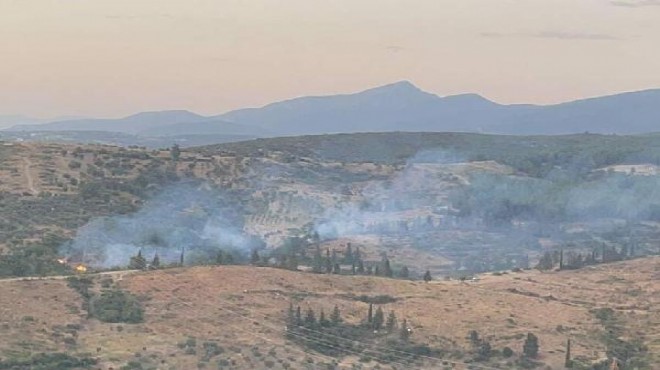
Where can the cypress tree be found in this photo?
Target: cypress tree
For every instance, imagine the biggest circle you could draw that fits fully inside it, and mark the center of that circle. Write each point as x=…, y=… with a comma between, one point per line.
x=323, y=322
x=379, y=319
x=138, y=262
x=353, y=269
x=404, y=332
x=387, y=269
x=310, y=318
x=357, y=256
x=531, y=346
x=317, y=265
x=336, y=269
x=299, y=321
x=155, y=263
x=404, y=273
x=427, y=276
x=390, y=325
x=370, y=315
x=254, y=258
x=335, y=317
x=182, y=256
x=328, y=262
x=360, y=267
x=348, y=255
x=568, y=363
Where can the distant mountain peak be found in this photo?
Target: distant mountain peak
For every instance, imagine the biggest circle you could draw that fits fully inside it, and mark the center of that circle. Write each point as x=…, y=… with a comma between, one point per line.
x=170, y=113
x=399, y=86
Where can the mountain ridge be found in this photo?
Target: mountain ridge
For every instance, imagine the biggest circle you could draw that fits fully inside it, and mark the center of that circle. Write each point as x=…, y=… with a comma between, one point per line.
x=398, y=106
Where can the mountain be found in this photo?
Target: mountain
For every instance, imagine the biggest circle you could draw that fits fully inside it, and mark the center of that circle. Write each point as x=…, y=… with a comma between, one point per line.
x=399, y=106
x=130, y=125
x=626, y=113
x=396, y=107
x=403, y=107
x=12, y=120
x=207, y=127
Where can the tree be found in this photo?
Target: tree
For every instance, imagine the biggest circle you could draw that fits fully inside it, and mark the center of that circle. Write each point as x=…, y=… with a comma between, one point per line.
x=370, y=315
x=353, y=269
x=390, y=324
x=561, y=259
x=182, y=256
x=531, y=346
x=175, y=152
x=507, y=352
x=328, y=262
x=137, y=262
x=299, y=321
x=310, y=318
x=376, y=271
x=404, y=273
x=404, y=332
x=335, y=316
x=336, y=269
x=323, y=322
x=545, y=263
x=254, y=258
x=387, y=269
x=155, y=263
x=427, y=276
x=484, y=350
x=348, y=255
x=360, y=267
x=568, y=363
x=379, y=319
x=474, y=337
x=317, y=264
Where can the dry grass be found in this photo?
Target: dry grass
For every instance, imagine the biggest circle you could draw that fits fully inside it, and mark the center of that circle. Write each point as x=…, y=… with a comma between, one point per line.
x=243, y=307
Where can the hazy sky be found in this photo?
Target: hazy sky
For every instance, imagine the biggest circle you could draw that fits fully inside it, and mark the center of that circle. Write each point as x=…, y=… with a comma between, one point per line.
x=115, y=57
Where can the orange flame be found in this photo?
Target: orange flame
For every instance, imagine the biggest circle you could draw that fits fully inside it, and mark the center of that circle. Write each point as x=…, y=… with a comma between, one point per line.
x=81, y=269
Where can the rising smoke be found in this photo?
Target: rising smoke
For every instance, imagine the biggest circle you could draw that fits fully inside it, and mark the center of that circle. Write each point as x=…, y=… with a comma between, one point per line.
x=194, y=217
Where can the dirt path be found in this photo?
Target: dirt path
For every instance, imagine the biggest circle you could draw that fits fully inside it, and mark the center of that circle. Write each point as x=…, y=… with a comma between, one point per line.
x=27, y=170
x=118, y=274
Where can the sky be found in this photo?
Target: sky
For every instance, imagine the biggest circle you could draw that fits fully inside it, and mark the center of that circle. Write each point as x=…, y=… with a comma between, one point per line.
x=111, y=58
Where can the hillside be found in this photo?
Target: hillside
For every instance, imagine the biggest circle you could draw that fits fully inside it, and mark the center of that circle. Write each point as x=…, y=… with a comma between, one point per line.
x=455, y=204
x=206, y=316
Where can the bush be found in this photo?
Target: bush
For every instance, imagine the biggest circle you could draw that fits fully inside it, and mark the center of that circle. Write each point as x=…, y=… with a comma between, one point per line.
x=115, y=306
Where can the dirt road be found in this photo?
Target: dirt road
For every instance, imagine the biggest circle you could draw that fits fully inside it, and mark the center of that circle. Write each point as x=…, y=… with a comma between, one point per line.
x=27, y=170
x=117, y=274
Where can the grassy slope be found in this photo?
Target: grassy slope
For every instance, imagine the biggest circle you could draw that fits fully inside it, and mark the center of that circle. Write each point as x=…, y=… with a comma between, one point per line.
x=241, y=308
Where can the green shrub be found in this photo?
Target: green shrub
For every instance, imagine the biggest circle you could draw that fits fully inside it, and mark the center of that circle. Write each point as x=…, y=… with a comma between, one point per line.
x=115, y=306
